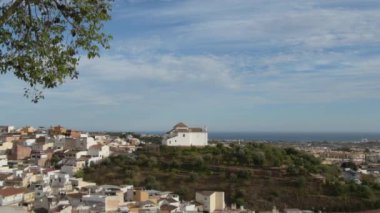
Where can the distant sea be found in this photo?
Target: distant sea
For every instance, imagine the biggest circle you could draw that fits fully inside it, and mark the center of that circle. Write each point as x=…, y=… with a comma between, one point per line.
x=292, y=136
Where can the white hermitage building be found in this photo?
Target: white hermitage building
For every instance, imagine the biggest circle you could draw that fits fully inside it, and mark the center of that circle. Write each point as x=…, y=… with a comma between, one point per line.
x=182, y=135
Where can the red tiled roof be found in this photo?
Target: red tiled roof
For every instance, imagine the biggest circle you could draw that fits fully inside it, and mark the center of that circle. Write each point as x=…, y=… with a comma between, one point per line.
x=11, y=191
x=189, y=130
x=96, y=146
x=168, y=207
x=180, y=125
x=196, y=129
x=4, y=176
x=181, y=130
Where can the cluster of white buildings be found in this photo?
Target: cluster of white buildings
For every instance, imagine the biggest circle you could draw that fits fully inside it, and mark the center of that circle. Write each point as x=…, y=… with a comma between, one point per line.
x=39, y=168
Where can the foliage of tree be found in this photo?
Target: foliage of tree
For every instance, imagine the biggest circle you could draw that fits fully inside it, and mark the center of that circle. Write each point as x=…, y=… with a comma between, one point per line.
x=301, y=182
x=150, y=182
x=41, y=40
x=56, y=158
x=79, y=173
x=151, y=139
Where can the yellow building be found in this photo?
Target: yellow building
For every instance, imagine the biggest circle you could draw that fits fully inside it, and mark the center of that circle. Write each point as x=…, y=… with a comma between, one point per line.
x=140, y=195
x=113, y=202
x=57, y=130
x=6, y=145
x=29, y=197
x=27, y=130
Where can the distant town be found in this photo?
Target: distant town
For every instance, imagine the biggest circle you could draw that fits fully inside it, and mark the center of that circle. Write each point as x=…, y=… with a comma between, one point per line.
x=41, y=170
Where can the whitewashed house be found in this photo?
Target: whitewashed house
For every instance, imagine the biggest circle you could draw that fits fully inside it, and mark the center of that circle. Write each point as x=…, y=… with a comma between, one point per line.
x=85, y=143
x=29, y=141
x=182, y=135
x=72, y=154
x=59, y=141
x=41, y=189
x=71, y=166
x=5, y=145
x=3, y=160
x=211, y=200
x=99, y=150
x=7, y=129
x=11, y=196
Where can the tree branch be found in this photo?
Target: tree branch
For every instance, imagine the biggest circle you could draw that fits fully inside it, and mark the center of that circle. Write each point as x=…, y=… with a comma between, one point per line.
x=8, y=12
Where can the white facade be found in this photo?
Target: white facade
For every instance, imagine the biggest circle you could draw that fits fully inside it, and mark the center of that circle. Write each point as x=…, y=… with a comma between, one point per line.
x=3, y=161
x=41, y=190
x=211, y=200
x=104, y=203
x=40, y=135
x=59, y=179
x=39, y=147
x=6, y=145
x=59, y=141
x=85, y=143
x=100, y=138
x=181, y=135
x=84, y=135
x=12, y=199
x=7, y=129
x=11, y=196
x=29, y=142
x=71, y=166
x=102, y=151
x=93, y=160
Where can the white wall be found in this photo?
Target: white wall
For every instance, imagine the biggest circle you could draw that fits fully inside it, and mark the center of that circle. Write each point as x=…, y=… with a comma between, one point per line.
x=59, y=142
x=103, y=152
x=187, y=139
x=13, y=199
x=29, y=142
x=212, y=202
x=3, y=161
x=85, y=143
x=199, y=138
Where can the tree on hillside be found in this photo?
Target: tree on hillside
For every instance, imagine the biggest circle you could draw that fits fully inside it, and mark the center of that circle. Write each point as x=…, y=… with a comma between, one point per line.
x=41, y=40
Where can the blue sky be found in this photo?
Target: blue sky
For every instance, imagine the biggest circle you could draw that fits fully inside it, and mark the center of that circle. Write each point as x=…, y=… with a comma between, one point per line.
x=230, y=65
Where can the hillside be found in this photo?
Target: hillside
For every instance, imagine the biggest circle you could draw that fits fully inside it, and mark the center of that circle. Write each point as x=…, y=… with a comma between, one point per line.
x=257, y=176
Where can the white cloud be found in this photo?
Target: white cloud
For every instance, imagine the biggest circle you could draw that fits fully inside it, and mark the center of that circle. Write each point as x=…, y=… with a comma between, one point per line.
x=300, y=79
x=169, y=69
x=272, y=51
x=300, y=24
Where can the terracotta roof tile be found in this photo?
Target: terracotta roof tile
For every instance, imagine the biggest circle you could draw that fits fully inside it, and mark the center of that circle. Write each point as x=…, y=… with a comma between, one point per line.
x=11, y=191
x=180, y=125
x=168, y=207
x=96, y=146
x=196, y=130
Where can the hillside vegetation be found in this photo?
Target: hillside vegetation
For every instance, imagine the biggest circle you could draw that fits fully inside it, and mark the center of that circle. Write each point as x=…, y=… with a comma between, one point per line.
x=257, y=176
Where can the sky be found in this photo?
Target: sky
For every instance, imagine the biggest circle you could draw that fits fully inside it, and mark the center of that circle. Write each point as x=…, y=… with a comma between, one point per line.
x=230, y=65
